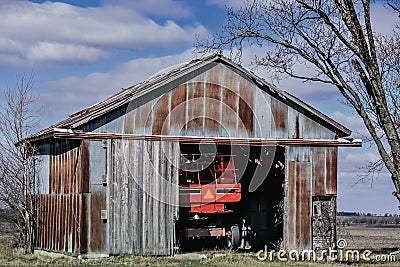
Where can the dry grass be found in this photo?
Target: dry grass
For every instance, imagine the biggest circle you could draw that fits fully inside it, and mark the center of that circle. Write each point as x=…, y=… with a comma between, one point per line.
x=370, y=236
x=383, y=240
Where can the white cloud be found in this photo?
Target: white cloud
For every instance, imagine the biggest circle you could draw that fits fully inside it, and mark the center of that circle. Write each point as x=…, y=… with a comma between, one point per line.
x=26, y=28
x=57, y=52
x=167, y=8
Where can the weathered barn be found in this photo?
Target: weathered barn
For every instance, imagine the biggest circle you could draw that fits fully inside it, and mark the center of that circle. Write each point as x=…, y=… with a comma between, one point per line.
x=110, y=173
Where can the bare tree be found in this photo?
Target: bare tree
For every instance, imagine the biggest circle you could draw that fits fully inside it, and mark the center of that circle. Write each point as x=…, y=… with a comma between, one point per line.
x=335, y=39
x=18, y=118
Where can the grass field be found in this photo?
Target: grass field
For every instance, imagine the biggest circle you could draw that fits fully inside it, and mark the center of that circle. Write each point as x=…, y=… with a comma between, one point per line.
x=370, y=236
x=382, y=240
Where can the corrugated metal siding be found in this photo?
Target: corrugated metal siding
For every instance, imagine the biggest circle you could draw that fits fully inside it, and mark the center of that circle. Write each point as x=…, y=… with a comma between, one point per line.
x=97, y=231
x=312, y=171
x=218, y=102
x=143, y=196
x=62, y=213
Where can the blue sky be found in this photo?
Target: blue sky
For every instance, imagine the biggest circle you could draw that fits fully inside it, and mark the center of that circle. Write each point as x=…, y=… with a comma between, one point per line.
x=84, y=51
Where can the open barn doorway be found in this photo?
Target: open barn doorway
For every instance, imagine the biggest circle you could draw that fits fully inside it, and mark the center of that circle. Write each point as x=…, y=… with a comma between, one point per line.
x=230, y=196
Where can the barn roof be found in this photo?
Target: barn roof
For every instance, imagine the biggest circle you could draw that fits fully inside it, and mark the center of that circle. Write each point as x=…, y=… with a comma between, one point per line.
x=126, y=95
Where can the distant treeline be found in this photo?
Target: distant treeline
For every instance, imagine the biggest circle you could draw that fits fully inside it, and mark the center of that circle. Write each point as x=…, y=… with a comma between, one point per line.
x=369, y=220
x=346, y=213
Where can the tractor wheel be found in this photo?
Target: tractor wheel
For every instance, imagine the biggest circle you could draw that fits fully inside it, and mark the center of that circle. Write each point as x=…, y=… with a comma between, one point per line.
x=234, y=239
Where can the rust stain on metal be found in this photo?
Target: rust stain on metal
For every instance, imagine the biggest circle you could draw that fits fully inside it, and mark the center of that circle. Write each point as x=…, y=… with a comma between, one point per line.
x=303, y=211
x=128, y=122
x=83, y=227
x=331, y=171
x=318, y=171
x=229, y=108
x=60, y=219
x=178, y=107
x=214, y=75
x=246, y=105
x=229, y=79
x=213, y=104
x=297, y=127
x=195, y=106
x=160, y=114
x=279, y=112
x=97, y=226
x=292, y=204
x=143, y=114
x=85, y=166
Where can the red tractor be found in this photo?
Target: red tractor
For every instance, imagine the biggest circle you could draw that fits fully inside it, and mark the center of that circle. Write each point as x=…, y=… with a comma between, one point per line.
x=208, y=184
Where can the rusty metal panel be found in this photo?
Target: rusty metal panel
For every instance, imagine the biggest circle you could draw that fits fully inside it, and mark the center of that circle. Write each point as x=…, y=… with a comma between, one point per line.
x=230, y=102
x=143, y=114
x=61, y=223
x=160, y=115
x=97, y=235
x=64, y=227
x=246, y=106
x=213, y=110
x=280, y=117
x=331, y=171
x=196, y=109
x=178, y=110
x=290, y=224
x=214, y=75
x=303, y=207
x=297, y=226
x=318, y=171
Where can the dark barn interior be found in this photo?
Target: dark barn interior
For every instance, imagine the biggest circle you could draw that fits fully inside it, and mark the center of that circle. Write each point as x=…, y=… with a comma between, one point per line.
x=261, y=205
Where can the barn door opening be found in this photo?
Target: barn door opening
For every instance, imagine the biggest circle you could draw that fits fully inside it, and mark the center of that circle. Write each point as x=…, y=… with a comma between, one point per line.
x=262, y=205
x=323, y=222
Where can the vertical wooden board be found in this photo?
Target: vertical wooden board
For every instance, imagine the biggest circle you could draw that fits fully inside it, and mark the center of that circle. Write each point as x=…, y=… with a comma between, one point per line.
x=292, y=212
x=331, y=171
x=246, y=107
x=97, y=226
x=84, y=224
x=178, y=110
x=85, y=166
x=303, y=195
x=280, y=115
x=160, y=116
x=318, y=171
x=213, y=109
x=195, y=108
x=138, y=246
